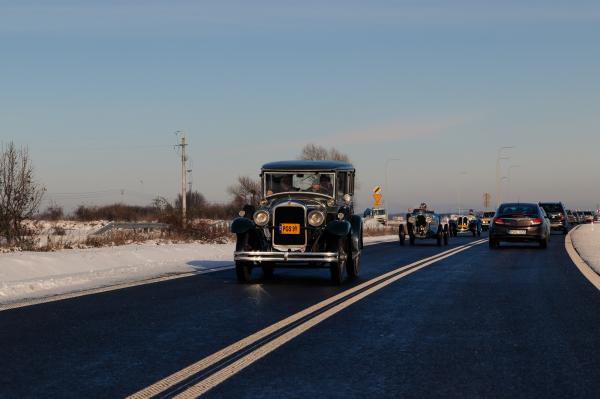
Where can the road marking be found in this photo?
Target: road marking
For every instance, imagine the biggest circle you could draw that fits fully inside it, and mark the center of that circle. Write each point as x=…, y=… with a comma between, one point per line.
x=60, y=297
x=220, y=376
x=583, y=267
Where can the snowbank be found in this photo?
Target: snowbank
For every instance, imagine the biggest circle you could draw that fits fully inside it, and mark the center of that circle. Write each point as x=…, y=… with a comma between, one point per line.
x=27, y=275
x=586, y=240
x=38, y=274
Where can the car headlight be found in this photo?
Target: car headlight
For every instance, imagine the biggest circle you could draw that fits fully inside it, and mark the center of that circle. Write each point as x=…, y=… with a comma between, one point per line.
x=316, y=218
x=261, y=218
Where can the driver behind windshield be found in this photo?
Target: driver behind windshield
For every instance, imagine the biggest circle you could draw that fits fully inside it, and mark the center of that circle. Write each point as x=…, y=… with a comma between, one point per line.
x=324, y=185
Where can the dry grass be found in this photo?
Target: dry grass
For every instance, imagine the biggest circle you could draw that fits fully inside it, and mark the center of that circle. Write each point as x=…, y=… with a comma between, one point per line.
x=380, y=231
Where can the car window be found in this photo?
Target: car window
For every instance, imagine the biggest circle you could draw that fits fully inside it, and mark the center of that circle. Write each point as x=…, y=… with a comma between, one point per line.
x=321, y=183
x=552, y=208
x=342, y=178
x=518, y=210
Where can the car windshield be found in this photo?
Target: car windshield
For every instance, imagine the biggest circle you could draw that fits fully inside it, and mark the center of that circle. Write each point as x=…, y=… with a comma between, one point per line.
x=377, y=212
x=587, y=213
x=552, y=208
x=488, y=214
x=321, y=183
x=518, y=210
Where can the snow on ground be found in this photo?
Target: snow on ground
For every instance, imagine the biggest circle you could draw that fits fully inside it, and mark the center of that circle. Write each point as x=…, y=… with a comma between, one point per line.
x=586, y=240
x=26, y=275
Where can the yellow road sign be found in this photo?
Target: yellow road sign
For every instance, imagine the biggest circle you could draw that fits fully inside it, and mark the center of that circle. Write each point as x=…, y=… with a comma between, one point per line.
x=377, y=198
x=377, y=190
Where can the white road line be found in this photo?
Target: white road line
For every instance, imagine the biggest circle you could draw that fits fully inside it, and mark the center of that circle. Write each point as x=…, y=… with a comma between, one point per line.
x=92, y=291
x=178, y=377
x=583, y=267
x=220, y=376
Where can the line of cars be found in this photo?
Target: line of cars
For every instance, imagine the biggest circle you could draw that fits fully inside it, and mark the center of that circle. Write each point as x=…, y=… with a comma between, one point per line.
x=306, y=218
x=527, y=222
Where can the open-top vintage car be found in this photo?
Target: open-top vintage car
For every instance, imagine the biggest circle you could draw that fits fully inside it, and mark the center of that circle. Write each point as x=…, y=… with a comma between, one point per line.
x=422, y=224
x=469, y=223
x=305, y=219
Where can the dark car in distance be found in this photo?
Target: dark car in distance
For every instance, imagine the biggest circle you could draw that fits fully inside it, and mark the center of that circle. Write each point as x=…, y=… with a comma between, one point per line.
x=559, y=219
x=519, y=222
x=305, y=219
x=572, y=217
x=486, y=219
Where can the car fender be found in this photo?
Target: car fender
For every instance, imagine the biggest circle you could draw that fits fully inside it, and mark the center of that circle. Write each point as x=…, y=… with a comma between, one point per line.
x=241, y=225
x=338, y=228
x=356, y=224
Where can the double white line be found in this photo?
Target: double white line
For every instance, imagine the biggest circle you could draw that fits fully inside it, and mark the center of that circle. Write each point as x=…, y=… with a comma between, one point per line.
x=201, y=386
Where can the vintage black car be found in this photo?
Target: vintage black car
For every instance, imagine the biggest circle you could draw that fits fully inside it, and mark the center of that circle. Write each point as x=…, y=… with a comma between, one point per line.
x=422, y=224
x=305, y=219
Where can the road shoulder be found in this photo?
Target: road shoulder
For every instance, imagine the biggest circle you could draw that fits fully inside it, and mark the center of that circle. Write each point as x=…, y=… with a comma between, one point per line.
x=583, y=246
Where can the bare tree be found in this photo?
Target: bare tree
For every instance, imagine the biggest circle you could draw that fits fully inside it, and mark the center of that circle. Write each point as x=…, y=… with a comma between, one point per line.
x=20, y=195
x=245, y=191
x=195, y=203
x=316, y=152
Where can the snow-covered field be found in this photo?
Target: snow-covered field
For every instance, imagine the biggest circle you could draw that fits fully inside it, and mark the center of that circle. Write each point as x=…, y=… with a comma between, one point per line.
x=586, y=240
x=27, y=275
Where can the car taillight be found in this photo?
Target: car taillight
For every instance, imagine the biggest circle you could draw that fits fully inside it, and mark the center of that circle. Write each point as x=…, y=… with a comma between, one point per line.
x=536, y=221
x=498, y=221
x=562, y=217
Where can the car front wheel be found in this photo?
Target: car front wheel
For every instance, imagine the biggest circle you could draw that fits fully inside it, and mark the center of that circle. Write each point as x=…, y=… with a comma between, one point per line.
x=338, y=269
x=353, y=262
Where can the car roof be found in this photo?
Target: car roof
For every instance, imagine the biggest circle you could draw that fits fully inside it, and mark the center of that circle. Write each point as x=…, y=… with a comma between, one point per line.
x=302, y=165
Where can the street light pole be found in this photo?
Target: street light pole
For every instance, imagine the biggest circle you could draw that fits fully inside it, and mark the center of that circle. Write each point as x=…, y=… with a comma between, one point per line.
x=498, y=159
x=508, y=181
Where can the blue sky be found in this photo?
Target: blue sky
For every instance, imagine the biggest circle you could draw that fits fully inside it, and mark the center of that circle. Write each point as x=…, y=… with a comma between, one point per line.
x=96, y=90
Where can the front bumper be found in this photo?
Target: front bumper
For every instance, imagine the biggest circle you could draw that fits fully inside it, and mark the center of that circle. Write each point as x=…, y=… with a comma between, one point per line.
x=287, y=257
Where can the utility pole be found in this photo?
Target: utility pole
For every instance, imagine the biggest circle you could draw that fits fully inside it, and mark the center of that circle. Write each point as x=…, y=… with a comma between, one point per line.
x=486, y=200
x=498, y=159
x=182, y=145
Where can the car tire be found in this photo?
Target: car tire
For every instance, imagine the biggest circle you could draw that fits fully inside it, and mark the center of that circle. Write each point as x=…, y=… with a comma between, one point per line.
x=243, y=270
x=338, y=269
x=494, y=244
x=411, y=240
x=445, y=238
x=401, y=235
x=353, y=262
x=544, y=243
x=439, y=238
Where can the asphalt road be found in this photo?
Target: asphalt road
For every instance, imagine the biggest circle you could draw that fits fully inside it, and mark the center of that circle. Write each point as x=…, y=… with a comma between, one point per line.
x=513, y=322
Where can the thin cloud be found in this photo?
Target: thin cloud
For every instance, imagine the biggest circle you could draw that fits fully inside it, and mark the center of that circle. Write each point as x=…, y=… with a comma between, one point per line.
x=385, y=133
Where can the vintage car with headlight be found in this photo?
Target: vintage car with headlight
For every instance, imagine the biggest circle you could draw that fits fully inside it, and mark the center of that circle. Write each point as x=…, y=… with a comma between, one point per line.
x=423, y=224
x=305, y=219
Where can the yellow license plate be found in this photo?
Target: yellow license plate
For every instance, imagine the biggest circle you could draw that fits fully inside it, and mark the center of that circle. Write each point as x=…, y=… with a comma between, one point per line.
x=289, y=228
